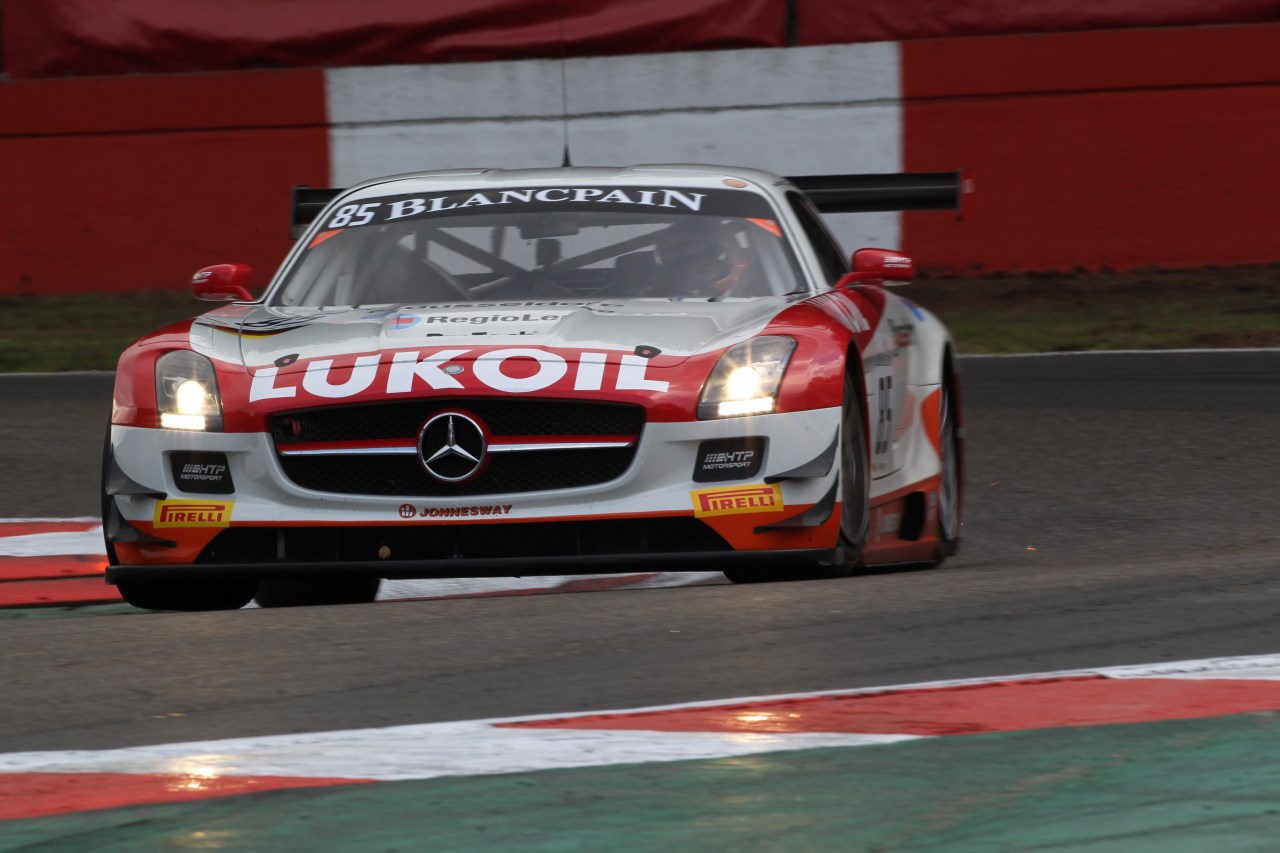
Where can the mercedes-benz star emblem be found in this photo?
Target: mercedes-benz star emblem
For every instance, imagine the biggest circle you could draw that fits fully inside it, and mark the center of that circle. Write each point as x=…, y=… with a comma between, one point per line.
x=451, y=446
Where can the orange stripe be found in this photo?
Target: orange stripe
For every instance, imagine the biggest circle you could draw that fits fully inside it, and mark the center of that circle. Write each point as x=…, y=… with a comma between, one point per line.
x=45, y=568
x=929, y=484
x=931, y=414
x=322, y=236
x=959, y=710
x=24, y=795
x=53, y=593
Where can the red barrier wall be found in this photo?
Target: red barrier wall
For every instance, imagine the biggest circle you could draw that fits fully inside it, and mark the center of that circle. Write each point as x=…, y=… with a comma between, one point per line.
x=826, y=22
x=1113, y=149
x=1105, y=149
x=124, y=184
x=50, y=38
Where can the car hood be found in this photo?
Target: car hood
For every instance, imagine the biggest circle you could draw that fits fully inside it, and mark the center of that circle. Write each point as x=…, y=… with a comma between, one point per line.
x=679, y=328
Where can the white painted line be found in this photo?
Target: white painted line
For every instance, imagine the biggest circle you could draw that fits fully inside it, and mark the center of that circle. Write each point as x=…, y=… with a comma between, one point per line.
x=423, y=752
x=478, y=747
x=1253, y=668
x=80, y=519
x=453, y=587
x=60, y=373
x=53, y=544
x=1215, y=351
x=667, y=580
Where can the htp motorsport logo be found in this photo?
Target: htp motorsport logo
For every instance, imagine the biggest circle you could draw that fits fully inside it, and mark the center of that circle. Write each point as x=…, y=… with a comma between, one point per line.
x=515, y=370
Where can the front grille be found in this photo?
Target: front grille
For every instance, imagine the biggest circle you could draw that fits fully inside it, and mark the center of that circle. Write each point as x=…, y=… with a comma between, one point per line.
x=464, y=541
x=505, y=473
x=503, y=417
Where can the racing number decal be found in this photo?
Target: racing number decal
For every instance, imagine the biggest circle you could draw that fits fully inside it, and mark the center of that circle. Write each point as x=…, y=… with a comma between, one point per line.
x=884, y=420
x=362, y=213
x=882, y=429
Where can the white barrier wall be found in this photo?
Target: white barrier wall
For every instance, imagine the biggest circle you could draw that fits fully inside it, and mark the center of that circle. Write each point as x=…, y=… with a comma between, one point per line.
x=805, y=111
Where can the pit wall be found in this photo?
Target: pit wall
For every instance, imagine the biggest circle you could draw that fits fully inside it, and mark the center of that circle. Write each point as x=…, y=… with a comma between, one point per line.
x=1104, y=149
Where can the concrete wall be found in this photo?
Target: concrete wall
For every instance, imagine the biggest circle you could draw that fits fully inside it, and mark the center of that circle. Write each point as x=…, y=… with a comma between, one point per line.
x=796, y=112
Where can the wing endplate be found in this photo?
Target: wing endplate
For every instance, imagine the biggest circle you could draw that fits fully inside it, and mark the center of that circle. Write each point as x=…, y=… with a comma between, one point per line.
x=893, y=191
x=307, y=204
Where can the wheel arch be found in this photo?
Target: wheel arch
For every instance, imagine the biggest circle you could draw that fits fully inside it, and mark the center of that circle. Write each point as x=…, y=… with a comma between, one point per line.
x=951, y=380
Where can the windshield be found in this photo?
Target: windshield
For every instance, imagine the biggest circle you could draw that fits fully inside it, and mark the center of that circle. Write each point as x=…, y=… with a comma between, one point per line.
x=544, y=242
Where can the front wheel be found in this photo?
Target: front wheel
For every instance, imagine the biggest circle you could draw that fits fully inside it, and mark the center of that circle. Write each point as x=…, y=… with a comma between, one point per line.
x=855, y=500
x=188, y=594
x=949, y=490
x=854, y=507
x=112, y=559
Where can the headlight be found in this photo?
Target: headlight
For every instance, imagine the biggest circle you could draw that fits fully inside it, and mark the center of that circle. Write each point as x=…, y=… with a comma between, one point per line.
x=746, y=379
x=187, y=392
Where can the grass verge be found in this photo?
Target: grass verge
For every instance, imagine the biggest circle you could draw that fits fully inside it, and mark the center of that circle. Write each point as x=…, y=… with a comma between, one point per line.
x=1231, y=307
x=1165, y=309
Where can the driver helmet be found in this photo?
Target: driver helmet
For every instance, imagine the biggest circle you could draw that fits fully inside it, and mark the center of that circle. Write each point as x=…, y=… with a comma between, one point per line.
x=702, y=259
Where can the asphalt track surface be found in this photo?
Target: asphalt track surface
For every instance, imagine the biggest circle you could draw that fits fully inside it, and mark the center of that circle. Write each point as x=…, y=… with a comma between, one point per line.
x=1120, y=509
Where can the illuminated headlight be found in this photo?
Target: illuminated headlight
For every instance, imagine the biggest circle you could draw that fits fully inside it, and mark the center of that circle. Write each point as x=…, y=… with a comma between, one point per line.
x=187, y=392
x=746, y=379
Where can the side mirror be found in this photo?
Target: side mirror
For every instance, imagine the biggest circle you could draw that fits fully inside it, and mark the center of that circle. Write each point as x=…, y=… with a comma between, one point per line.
x=879, y=265
x=222, y=283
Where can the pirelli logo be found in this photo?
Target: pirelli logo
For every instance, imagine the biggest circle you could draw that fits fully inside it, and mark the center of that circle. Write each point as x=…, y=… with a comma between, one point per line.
x=180, y=513
x=731, y=500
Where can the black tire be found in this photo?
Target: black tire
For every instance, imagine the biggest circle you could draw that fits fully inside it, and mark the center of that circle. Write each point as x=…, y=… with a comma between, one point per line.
x=188, y=594
x=312, y=592
x=854, y=509
x=112, y=559
x=949, y=490
x=855, y=501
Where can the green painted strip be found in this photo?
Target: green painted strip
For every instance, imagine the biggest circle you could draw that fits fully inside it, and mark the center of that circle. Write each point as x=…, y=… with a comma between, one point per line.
x=1177, y=787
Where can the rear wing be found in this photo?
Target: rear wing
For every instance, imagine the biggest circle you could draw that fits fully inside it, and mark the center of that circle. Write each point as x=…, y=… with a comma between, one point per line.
x=829, y=193
x=904, y=191
x=307, y=204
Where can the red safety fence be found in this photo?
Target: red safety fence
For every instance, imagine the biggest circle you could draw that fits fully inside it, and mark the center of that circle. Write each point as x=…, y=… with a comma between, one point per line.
x=54, y=38
x=1103, y=149
x=133, y=183
x=826, y=22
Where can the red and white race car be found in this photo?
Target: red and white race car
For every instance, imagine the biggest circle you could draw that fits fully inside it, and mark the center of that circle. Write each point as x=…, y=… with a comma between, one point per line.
x=486, y=372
